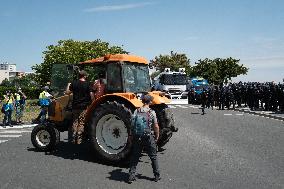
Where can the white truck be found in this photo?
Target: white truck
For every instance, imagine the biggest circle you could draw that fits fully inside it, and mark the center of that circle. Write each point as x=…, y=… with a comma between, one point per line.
x=173, y=83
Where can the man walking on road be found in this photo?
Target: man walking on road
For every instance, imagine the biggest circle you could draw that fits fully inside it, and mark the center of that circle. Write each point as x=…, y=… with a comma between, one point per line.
x=146, y=139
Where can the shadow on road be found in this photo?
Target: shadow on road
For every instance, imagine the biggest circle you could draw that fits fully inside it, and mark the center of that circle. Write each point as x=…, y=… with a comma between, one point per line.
x=80, y=152
x=118, y=175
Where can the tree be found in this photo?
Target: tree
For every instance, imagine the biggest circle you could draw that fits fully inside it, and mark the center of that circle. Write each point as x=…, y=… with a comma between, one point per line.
x=154, y=74
x=174, y=61
x=71, y=52
x=219, y=70
x=26, y=81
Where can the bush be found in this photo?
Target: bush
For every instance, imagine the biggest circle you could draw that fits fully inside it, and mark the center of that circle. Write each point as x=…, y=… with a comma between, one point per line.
x=31, y=93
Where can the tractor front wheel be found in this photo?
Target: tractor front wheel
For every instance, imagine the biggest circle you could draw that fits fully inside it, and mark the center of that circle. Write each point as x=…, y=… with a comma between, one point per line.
x=45, y=137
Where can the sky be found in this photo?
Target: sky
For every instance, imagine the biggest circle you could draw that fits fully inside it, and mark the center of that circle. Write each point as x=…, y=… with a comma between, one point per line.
x=249, y=30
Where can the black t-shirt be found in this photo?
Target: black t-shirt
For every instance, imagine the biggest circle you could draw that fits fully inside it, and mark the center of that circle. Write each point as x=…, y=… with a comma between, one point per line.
x=81, y=94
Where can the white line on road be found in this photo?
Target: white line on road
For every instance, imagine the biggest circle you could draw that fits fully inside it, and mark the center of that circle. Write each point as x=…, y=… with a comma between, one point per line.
x=9, y=136
x=14, y=131
x=196, y=107
x=181, y=106
x=228, y=114
x=171, y=106
x=18, y=126
x=1, y=141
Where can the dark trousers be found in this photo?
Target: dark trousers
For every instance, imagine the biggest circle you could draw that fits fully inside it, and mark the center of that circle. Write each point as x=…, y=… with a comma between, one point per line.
x=42, y=114
x=7, y=116
x=148, y=143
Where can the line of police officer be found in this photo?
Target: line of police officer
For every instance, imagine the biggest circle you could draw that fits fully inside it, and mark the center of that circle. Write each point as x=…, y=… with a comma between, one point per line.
x=267, y=96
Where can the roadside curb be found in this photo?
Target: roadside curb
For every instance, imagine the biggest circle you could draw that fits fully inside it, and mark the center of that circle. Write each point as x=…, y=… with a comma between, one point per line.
x=268, y=115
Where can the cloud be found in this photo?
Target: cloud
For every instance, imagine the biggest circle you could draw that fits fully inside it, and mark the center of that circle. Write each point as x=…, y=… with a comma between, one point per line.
x=117, y=7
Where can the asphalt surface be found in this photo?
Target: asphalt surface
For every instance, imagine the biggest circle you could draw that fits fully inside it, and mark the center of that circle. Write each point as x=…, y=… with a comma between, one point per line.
x=221, y=149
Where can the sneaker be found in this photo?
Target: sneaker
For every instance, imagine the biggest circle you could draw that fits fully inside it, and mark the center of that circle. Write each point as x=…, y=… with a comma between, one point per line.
x=4, y=126
x=157, y=178
x=131, y=179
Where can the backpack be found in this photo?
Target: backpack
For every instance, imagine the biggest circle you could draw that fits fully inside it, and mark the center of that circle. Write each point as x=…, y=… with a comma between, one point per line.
x=140, y=123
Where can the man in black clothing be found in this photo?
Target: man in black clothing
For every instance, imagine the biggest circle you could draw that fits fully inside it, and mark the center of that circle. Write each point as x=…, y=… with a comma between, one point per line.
x=82, y=97
x=204, y=97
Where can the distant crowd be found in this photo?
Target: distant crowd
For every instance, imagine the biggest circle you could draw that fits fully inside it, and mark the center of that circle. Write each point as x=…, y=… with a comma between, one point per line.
x=266, y=96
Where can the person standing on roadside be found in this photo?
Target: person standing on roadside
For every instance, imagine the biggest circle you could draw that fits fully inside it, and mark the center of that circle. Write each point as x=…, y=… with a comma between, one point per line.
x=82, y=96
x=44, y=101
x=7, y=109
x=144, y=140
x=20, y=101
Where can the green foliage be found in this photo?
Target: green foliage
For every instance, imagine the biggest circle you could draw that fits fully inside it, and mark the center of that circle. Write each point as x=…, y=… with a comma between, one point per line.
x=174, y=61
x=6, y=83
x=155, y=74
x=219, y=70
x=31, y=93
x=27, y=81
x=72, y=52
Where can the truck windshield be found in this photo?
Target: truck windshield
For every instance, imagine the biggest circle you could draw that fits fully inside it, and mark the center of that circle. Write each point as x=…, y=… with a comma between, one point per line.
x=136, y=78
x=173, y=79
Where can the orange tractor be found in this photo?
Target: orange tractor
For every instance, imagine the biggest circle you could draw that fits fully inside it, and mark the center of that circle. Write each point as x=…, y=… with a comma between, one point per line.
x=108, y=127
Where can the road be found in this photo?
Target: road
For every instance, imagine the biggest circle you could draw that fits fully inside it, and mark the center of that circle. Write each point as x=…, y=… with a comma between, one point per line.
x=221, y=149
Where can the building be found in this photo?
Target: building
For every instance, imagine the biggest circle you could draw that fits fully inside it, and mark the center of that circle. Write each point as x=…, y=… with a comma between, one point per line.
x=8, y=67
x=4, y=74
x=9, y=71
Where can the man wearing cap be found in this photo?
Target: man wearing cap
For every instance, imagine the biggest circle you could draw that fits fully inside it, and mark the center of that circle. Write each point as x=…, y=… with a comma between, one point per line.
x=82, y=96
x=146, y=141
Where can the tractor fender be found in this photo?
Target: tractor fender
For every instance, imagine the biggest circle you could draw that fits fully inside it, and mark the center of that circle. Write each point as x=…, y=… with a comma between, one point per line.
x=128, y=99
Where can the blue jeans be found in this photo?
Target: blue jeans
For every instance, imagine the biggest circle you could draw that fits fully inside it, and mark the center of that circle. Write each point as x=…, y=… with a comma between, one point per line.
x=7, y=116
x=19, y=111
x=148, y=143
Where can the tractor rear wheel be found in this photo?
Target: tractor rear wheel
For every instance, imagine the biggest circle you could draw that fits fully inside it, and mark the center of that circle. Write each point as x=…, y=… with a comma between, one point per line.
x=110, y=130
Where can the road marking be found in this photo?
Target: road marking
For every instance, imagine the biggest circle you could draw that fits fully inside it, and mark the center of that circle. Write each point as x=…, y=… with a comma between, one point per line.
x=171, y=106
x=9, y=136
x=181, y=106
x=18, y=126
x=2, y=141
x=228, y=114
x=14, y=131
x=195, y=106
